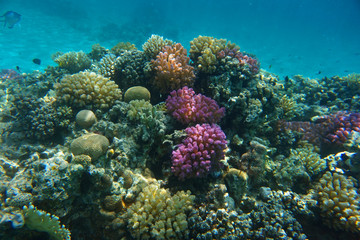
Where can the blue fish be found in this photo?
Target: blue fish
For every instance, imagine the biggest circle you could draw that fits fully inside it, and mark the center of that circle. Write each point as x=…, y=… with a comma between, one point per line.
x=11, y=18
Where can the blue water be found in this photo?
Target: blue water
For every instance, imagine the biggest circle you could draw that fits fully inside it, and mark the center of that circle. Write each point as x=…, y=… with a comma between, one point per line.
x=311, y=38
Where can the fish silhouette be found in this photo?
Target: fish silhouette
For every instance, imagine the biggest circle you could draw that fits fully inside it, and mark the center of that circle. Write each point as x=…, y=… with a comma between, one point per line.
x=11, y=18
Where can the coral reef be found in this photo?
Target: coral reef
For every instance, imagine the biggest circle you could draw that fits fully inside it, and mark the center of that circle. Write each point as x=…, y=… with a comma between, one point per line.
x=201, y=152
x=158, y=215
x=121, y=46
x=90, y=144
x=73, y=61
x=172, y=69
x=85, y=118
x=188, y=107
x=87, y=89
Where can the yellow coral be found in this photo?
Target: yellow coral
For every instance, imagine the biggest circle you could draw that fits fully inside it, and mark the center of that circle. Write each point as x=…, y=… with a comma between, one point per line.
x=158, y=215
x=154, y=44
x=172, y=69
x=288, y=106
x=203, y=51
x=339, y=201
x=87, y=89
x=73, y=61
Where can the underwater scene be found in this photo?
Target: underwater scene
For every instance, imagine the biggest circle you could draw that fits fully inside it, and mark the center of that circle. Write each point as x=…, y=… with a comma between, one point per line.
x=179, y=120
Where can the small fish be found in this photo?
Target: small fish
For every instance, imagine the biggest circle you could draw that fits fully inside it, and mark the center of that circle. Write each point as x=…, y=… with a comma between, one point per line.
x=18, y=68
x=11, y=18
x=319, y=72
x=36, y=61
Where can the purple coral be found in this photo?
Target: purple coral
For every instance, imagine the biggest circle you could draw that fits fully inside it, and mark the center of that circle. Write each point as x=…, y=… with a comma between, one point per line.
x=332, y=129
x=200, y=152
x=188, y=107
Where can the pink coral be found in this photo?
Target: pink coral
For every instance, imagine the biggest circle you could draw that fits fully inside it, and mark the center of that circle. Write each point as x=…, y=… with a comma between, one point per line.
x=200, y=152
x=172, y=69
x=188, y=107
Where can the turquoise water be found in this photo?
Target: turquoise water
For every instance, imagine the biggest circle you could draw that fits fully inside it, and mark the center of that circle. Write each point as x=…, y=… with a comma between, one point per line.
x=311, y=38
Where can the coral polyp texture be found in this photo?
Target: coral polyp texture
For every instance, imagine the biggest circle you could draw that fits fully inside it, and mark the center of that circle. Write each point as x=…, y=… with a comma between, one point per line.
x=172, y=69
x=87, y=89
x=159, y=215
x=188, y=107
x=200, y=152
x=339, y=201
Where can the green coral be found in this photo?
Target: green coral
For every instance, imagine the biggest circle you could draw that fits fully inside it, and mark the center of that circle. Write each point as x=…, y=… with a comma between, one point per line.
x=73, y=61
x=98, y=52
x=42, y=221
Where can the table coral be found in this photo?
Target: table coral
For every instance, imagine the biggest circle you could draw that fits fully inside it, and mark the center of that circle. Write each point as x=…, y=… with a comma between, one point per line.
x=188, y=107
x=339, y=201
x=172, y=69
x=87, y=89
x=200, y=153
x=158, y=215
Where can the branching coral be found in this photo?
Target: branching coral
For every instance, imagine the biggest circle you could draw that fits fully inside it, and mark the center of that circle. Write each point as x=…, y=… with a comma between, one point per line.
x=339, y=201
x=172, y=69
x=188, y=107
x=107, y=65
x=204, y=50
x=158, y=215
x=87, y=89
x=73, y=61
x=200, y=153
x=245, y=60
x=122, y=46
x=154, y=45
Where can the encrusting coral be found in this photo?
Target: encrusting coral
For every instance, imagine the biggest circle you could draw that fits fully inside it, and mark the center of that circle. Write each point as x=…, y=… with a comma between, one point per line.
x=157, y=214
x=87, y=89
x=339, y=201
x=172, y=69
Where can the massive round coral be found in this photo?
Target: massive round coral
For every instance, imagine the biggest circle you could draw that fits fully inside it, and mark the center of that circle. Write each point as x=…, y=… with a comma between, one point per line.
x=188, y=107
x=172, y=69
x=200, y=153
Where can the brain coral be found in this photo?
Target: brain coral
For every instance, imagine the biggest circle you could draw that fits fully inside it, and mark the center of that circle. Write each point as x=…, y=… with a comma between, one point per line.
x=200, y=153
x=187, y=107
x=87, y=89
x=204, y=50
x=339, y=201
x=158, y=215
x=172, y=69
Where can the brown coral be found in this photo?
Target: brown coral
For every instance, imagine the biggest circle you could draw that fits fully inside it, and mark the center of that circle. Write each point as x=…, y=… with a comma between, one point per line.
x=172, y=69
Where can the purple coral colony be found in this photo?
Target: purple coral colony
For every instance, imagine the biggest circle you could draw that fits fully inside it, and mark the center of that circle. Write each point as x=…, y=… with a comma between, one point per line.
x=162, y=143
